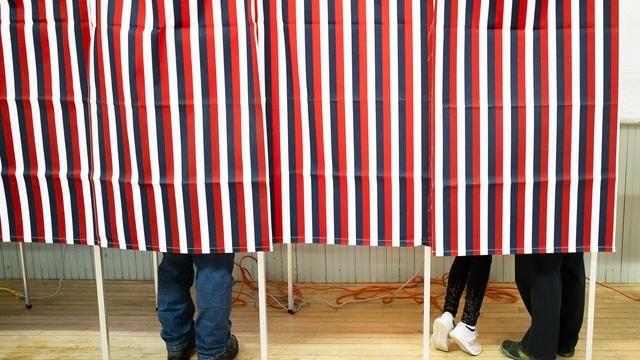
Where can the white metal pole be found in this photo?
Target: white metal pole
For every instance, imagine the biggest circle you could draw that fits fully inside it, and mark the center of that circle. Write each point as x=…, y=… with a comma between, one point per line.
x=593, y=275
x=290, y=279
x=262, y=306
x=154, y=256
x=25, y=276
x=426, y=316
x=102, y=310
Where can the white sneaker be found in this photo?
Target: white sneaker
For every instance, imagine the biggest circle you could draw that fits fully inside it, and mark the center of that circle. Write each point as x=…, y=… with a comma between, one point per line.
x=466, y=339
x=442, y=326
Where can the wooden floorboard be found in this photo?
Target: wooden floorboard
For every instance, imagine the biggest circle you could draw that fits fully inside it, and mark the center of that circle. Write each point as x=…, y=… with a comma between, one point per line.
x=66, y=327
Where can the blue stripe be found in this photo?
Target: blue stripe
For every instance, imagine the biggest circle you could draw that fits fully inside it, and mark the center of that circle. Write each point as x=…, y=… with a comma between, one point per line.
x=402, y=120
x=379, y=123
x=606, y=124
x=537, y=128
x=447, y=124
x=334, y=124
x=357, y=122
x=584, y=102
x=424, y=85
x=468, y=130
x=514, y=128
x=560, y=66
x=491, y=126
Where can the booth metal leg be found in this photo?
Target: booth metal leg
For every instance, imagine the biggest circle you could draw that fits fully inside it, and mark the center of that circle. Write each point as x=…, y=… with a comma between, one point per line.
x=593, y=275
x=262, y=305
x=154, y=257
x=25, y=276
x=102, y=310
x=290, y=279
x=426, y=317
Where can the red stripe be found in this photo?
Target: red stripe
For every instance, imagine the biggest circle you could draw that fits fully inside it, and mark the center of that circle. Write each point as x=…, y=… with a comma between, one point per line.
x=74, y=173
x=53, y=139
x=566, y=168
x=319, y=121
x=386, y=123
x=144, y=131
x=342, y=145
x=125, y=168
x=475, y=125
x=275, y=121
x=544, y=129
x=194, y=212
x=613, y=124
x=411, y=181
x=9, y=169
x=260, y=141
x=591, y=99
x=454, y=128
x=215, y=132
x=235, y=74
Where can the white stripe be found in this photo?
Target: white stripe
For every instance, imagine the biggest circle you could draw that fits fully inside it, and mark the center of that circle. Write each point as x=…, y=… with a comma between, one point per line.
x=418, y=120
x=506, y=113
x=245, y=121
x=348, y=123
x=222, y=123
x=135, y=183
x=553, y=126
x=438, y=135
x=60, y=133
x=37, y=126
x=199, y=131
x=597, y=128
x=484, y=134
x=575, y=122
x=113, y=135
x=395, y=130
x=300, y=28
x=461, y=129
x=371, y=111
x=529, y=129
x=82, y=138
x=151, y=125
x=326, y=119
x=95, y=149
x=15, y=130
x=284, y=121
x=175, y=127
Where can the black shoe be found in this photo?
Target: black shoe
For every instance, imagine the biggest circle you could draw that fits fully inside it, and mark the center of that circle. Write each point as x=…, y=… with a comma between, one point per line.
x=184, y=354
x=514, y=350
x=231, y=351
x=567, y=353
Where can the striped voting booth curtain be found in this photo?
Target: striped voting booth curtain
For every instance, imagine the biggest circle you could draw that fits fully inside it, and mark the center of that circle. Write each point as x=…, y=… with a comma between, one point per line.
x=526, y=126
x=44, y=141
x=346, y=87
x=178, y=127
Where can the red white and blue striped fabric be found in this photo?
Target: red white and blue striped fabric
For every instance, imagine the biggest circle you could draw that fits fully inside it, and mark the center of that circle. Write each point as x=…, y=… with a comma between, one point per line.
x=44, y=158
x=526, y=126
x=178, y=128
x=346, y=86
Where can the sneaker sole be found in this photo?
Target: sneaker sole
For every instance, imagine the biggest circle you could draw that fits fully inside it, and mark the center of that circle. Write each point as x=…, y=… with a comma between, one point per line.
x=440, y=337
x=463, y=347
x=506, y=353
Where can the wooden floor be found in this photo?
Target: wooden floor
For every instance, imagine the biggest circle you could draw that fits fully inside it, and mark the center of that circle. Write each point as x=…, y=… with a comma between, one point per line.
x=66, y=327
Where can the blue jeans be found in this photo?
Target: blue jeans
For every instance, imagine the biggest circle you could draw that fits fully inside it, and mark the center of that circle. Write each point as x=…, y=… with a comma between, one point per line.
x=214, y=283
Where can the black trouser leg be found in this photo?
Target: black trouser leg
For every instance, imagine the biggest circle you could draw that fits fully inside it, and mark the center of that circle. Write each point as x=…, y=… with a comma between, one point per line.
x=539, y=281
x=572, y=310
x=476, y=286
x=456, y=283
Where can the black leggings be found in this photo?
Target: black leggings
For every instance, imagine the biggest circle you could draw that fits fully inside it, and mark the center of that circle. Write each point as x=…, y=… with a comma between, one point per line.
x=471, y=272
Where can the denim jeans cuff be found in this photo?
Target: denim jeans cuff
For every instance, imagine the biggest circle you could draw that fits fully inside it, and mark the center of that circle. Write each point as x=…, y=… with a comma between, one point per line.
x=189, y=343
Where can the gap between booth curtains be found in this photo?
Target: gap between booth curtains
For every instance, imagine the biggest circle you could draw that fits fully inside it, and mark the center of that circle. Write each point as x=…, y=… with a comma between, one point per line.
x=167, y=153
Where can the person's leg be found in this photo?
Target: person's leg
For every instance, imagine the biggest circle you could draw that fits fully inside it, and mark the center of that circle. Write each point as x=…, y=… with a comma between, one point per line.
x=572, y=310
x=457, y=281
x=541, y=340
x=476, y=286
x=524, y=278
x=214, y=284
x=175, y=307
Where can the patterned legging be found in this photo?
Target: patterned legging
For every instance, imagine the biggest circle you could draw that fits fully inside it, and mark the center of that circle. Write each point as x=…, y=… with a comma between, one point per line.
x=471, y=272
